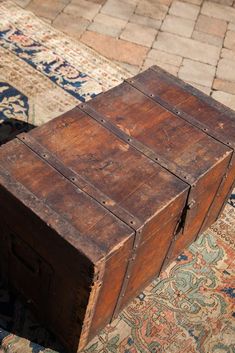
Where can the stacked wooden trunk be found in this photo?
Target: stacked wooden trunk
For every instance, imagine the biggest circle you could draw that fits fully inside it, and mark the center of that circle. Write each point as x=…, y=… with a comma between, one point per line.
x=96, y=203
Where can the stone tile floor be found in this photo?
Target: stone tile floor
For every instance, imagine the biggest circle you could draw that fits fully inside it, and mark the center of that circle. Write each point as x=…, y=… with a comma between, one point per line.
x=193, y=39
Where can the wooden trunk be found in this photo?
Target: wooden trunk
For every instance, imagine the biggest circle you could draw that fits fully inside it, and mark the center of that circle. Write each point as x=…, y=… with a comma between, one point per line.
x=96, y=202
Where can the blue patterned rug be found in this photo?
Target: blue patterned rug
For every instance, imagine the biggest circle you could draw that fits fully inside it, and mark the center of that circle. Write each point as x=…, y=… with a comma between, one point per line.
x=43, y=73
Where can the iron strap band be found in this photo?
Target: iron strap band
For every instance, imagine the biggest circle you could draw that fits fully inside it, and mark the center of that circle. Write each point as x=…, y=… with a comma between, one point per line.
x=218, y=193
x=80, y=182
x=127, y=276
x=177, y=111
x=139, y=146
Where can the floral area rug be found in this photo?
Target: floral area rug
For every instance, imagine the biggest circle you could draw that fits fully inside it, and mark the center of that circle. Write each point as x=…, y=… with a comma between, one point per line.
x=191, y=307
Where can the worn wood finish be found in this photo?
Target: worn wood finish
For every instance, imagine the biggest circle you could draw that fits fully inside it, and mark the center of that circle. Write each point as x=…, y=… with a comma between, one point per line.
x=144, y=181
x=189, y=152
x=46, y=221
x=117, y=187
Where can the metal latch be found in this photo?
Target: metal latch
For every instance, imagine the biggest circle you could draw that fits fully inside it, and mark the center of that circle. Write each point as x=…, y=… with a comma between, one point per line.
x=184, y=217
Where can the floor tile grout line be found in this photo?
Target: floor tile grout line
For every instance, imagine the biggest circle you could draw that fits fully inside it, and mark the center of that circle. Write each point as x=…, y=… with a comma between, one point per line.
x=160, y=24
x=159, y=30
x=183, y=59
x=62, y=10
x=222, y=47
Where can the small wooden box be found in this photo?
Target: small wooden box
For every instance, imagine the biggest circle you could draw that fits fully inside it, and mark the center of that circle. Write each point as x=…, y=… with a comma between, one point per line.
x=96, y=202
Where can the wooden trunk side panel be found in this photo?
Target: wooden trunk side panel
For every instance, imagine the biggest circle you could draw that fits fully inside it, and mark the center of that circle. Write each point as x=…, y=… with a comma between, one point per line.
x=221, y=196
x=203, y=194
x=150, y=255
x=62, y=310
x=115, y=269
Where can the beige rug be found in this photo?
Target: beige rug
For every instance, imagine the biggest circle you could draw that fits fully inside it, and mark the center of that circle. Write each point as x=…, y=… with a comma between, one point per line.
x=44, y=73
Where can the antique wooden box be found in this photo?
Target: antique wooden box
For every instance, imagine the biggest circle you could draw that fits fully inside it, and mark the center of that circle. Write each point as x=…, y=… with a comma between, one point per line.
x=96, y=202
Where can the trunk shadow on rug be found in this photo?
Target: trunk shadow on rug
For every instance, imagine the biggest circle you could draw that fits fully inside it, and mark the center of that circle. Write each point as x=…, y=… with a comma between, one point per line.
x=16, y=318
x=10, y=128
